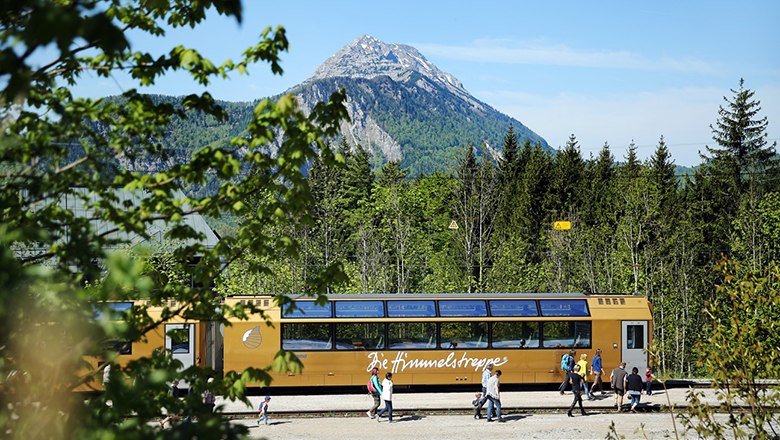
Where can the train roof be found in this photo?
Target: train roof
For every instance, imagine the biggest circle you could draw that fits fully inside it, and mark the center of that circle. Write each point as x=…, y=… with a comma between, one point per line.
x=356, y=296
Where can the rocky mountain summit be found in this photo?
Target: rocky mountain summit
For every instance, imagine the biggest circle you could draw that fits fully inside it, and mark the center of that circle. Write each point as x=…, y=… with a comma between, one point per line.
x=369, y=58
x=402, y=107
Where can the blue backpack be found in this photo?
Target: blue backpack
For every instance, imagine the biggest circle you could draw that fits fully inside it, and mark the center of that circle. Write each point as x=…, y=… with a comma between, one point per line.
x=565, y=362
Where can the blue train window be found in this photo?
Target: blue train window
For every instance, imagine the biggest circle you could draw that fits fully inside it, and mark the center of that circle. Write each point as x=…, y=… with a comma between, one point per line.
x=564, y=307
x=308, y=309
x=450, y=308
x=410, y=309
x=360, y=309
x=513, y=307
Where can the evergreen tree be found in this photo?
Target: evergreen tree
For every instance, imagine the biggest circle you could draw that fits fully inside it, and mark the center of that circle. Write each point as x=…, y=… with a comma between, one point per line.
x=598, y=223
x=599, y=181
x=742, y=137
x=509, y=175
x=569, y=173
x=566, y=198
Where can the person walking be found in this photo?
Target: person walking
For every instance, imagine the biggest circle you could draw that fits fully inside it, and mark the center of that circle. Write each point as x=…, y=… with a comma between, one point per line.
x=176, y=393
x=649, y=381
x=567, y=363
x=494, y=397
x=633, y=386
x=597, y=370
x=575, y=379
x=487, y=373
x=264, y=411
x=375, y=389
x=583, y=371
x=617, y=379
x=387, y=396
x=208, y=397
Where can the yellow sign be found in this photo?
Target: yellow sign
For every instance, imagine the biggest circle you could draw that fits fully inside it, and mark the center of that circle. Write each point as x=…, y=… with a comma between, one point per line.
x=562, y=226
x=453, y=225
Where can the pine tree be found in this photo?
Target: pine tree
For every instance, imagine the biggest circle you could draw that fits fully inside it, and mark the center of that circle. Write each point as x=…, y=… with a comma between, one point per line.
x=509, y=174
x=568, y=175
x=744, y=154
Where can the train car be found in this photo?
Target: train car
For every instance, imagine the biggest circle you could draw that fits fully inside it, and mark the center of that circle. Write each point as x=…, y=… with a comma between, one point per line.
x=442, y=339
x=190, y=342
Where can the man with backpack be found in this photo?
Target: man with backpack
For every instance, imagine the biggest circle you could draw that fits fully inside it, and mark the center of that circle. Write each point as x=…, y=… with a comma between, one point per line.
x=567, y=364
x=375, y=390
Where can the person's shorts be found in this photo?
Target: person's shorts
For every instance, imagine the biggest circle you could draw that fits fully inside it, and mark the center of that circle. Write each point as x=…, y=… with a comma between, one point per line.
x=620, y=392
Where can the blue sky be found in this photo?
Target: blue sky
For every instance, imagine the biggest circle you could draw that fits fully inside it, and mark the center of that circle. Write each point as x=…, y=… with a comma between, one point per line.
x=604, y=71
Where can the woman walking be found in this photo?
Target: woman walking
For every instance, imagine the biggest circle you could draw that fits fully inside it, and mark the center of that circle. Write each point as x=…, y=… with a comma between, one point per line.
x=633, y=387
x=583, y=371
x=387, y=396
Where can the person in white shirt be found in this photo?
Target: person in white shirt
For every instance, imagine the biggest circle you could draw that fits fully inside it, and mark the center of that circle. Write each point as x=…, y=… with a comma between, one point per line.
x=494, y=397
x=387, y=396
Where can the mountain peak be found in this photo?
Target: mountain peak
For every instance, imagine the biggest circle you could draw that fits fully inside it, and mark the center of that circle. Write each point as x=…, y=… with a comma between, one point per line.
x=368, y=57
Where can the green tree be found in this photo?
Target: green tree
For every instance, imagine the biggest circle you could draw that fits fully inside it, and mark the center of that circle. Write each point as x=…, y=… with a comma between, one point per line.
x=566, y=203
x=742, y=349
x=599, y=221
x=57, y=147
x=395, y=221
x=741, y=134
x=326, y=180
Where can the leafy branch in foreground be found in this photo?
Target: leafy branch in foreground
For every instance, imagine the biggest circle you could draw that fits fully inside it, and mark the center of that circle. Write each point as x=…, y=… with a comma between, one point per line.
x=58, y=151
x=740, y=354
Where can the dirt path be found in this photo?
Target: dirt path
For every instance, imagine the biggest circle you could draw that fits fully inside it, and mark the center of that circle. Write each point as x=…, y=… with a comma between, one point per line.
x=461, y=427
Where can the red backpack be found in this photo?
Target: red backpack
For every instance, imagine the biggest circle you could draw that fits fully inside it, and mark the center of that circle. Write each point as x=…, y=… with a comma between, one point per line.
x=370, y=385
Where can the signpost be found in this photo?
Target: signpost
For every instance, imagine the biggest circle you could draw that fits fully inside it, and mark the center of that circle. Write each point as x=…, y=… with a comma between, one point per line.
x=453, y=225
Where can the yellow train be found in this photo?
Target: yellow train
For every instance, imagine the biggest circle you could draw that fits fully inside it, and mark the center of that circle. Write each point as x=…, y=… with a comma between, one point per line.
x=423, y=339
x=190, y=342
x=441, y=339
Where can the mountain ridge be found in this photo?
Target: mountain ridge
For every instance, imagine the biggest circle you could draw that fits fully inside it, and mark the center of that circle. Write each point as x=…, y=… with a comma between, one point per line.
x=402, y=107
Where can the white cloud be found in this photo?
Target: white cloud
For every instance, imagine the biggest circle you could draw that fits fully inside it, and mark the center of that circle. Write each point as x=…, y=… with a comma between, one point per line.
x=503, y=51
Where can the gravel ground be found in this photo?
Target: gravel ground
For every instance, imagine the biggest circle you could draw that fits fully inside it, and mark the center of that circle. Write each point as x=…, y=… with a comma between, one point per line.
x=464, y=427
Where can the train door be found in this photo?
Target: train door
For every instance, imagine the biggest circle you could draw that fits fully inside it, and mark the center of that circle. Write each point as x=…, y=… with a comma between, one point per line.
x=180, y=341
x=634, y=351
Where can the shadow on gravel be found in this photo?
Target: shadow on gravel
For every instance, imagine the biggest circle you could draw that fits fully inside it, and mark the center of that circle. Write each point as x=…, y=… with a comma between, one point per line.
x=275, y=422
x=515, y=417
x=411, y=418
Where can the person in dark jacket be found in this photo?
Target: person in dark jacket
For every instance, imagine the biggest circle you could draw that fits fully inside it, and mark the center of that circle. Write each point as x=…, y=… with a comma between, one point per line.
x=570, y=361
x=177, y=393
x=576, y=387
x=633, y=386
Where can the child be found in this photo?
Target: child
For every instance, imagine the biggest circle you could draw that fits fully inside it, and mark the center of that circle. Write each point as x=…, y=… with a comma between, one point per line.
x=476, y=403
x=649, y=380
x=264, y=411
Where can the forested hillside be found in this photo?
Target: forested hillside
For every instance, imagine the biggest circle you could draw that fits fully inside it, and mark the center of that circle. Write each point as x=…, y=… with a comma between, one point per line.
x=429, y=123
x=637, y=227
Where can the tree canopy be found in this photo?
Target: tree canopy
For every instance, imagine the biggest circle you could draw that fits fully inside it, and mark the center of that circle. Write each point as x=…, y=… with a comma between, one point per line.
x=55, y=265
